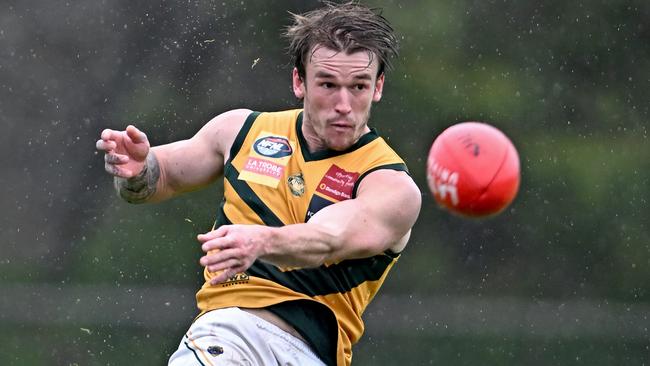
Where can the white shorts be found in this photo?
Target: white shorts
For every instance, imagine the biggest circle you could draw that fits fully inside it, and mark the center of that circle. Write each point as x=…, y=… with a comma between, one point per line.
x=231, y=336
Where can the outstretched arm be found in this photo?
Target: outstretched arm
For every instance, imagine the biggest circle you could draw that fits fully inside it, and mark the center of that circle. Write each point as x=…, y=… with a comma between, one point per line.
x=378, y=219
x=144, y=174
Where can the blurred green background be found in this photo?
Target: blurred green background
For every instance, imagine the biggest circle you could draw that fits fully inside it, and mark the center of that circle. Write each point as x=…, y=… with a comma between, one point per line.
x=560, y=278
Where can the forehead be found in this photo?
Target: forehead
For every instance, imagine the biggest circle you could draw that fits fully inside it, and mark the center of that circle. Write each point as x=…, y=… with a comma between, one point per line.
x=341, y=62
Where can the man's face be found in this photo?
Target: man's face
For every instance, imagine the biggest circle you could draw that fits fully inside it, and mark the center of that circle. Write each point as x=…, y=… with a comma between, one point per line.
x=338, y=91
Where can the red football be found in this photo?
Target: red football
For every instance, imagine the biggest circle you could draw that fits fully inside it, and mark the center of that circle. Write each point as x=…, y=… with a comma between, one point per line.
x=473, y=169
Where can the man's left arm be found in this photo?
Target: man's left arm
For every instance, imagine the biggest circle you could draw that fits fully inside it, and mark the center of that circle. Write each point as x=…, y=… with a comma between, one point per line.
x=379, y=218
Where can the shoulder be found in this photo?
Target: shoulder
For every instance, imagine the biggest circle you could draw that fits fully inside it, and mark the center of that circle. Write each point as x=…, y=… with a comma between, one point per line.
x=221, y=131
x=393, y=185
x=389, y=179
x=394, y=200
x=230, y=120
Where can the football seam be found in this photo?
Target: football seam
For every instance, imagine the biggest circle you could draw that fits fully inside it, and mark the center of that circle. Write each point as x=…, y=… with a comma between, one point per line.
x=496, y=173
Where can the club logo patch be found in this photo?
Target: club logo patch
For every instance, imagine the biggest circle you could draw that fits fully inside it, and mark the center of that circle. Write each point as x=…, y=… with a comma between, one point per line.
x=296, y=184
x=273, y=147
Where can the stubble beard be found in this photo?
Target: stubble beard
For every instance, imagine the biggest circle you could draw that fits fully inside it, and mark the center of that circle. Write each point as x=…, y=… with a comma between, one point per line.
x=325, y=143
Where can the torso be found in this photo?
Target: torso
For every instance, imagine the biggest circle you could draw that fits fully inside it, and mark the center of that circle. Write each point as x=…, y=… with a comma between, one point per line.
x=272, y=179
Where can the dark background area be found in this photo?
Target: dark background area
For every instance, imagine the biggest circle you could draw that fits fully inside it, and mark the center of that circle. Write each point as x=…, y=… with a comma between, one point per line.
x=560, y=278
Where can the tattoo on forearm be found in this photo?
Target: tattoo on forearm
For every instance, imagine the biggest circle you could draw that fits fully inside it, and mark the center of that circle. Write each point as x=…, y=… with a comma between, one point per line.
x=140, y=188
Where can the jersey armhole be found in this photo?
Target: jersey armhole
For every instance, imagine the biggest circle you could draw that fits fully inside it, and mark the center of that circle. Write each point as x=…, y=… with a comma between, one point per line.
x=398, y=166
x=241, y=136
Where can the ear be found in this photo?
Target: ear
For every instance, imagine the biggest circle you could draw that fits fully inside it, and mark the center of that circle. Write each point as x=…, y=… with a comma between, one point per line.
x=298, y=84
x=379, y=87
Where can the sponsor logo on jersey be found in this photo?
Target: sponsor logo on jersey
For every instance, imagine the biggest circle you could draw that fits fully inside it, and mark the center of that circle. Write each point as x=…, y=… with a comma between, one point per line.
x=273, y=147
x=267, y=160
x=264, y=167
x=337, y=183
x=236, y=279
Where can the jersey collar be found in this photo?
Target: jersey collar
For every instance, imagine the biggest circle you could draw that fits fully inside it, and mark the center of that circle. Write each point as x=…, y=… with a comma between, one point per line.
x=328, y=153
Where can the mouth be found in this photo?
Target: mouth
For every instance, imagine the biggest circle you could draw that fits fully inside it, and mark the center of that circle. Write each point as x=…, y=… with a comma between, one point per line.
x=341, y=125
x=341, y=129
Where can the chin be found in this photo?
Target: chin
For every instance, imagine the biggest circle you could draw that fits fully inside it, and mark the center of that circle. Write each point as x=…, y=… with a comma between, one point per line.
x=339, y=145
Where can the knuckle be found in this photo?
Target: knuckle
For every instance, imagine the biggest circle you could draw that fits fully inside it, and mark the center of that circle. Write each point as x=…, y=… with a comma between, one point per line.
x=238, y=254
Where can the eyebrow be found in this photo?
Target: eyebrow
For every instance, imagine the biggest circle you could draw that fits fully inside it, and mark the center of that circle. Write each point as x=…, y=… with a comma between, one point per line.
x=326, y=75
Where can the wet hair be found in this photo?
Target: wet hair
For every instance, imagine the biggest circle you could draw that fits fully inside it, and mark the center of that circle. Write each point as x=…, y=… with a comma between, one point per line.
x=349, y=27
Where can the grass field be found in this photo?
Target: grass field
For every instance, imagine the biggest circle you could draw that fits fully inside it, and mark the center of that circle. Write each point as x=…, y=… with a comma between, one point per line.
x=45, y=346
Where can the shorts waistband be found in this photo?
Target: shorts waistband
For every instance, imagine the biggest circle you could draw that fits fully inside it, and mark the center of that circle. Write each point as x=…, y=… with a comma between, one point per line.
x=231, y=312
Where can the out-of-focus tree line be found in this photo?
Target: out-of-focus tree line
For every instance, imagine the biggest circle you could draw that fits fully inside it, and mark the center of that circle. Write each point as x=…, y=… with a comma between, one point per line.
x=567, y=81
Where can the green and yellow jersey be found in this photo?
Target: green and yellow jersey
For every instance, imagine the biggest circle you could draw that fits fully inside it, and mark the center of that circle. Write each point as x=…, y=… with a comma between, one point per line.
x=272, y=179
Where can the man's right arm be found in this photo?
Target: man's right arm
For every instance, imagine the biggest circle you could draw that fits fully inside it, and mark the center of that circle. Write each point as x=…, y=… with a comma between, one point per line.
x=171, y=169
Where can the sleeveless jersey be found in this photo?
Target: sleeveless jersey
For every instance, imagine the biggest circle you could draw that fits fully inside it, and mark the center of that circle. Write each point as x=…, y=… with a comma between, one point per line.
x=272, y=179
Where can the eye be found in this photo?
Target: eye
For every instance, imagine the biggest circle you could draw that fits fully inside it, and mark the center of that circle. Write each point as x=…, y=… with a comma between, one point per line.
x=327, y=85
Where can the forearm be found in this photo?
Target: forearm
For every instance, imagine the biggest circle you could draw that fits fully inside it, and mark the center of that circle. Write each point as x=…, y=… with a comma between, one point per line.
x=314, y=243
x=344, y=230
x=142, y=187
x=363, y=227
x=301, y=245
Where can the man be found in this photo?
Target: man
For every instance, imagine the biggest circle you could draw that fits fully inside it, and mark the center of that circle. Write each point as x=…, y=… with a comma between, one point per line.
x=316, y=206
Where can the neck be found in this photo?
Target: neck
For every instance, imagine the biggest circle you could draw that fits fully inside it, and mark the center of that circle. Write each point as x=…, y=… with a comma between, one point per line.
x=311, y=138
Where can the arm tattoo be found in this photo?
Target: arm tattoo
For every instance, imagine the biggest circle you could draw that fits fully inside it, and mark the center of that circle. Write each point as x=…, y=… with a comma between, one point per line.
x=140, y=188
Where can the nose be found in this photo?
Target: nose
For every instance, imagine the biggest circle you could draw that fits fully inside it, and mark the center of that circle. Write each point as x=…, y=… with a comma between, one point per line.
x=343, y=102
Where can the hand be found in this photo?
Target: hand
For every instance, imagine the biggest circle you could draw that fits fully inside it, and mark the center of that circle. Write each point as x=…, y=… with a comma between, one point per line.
x=232, y=249
x=125, y=151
